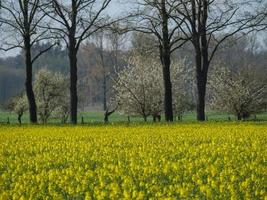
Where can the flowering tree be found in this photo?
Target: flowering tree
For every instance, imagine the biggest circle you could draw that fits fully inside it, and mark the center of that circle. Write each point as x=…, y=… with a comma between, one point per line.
x=158, y=19
x=241, y=93
x=207, y=24
x=50, y=89
x=182, y=77
x=20, y=106
x=140, y=89
x=112, y=106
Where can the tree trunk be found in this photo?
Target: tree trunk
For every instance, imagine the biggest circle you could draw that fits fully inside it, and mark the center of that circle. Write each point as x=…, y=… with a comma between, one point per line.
x=239, y=117
x=159, y=118
x=145, y=118
x=28, y=83
x=73, y=80
x=165, y=51
x=154, y=118
x=107, y=114
x=19, y=118
x=245, y=115
x=82, y=122
x=202, y=65
x=201, y=46
x=106, y=120
x=201, y=91
x=168, y=90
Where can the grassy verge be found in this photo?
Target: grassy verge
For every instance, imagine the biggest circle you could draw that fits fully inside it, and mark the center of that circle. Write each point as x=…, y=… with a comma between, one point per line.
x=94, y=117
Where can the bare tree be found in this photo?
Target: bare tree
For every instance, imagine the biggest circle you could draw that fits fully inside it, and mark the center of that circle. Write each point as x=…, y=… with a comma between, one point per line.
x=208, y=23
x=99, y=41
x=157, y=17
x=75, y=21
x=116, y=41
x=20, y=20
x=108, y=48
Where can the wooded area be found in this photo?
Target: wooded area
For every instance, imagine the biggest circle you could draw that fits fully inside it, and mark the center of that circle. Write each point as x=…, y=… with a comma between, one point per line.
x=159, y=57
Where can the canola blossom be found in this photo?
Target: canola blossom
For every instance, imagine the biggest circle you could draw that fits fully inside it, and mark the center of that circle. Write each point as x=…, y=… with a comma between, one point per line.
x=181, y=161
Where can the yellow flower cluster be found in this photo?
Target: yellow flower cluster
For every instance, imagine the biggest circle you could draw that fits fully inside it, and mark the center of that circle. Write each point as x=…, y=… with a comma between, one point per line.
x=182, y=161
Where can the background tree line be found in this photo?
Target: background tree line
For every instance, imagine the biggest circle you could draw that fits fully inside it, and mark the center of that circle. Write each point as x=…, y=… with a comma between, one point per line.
x=95, y=47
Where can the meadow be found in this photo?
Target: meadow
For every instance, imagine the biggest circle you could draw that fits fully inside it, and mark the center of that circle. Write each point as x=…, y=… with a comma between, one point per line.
x=163, y=161
x=97, y=117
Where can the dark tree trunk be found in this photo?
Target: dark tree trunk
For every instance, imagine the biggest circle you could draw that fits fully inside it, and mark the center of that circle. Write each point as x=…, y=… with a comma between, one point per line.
x=28, y=83
x=19, y=118
x=165, y=51
x=201, y=93
x=82, y=122
x=201, y=46
x=145, y=118
x=106, y=120
x=245, y=115
x=168, y=89
x=107, y=114
x=159, y=118
x=239, y=117
x=73, y=79
x=202, y=66
x=156, y=118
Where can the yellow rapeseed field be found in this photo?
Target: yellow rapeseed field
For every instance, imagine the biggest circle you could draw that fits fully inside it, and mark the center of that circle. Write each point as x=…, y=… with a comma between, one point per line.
x=181, y=161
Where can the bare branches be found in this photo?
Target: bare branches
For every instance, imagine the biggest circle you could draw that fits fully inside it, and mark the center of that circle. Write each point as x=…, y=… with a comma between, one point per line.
x=207, y=24
x=23, y=19
x=74, y=21
x=159, y=18
x=211, y=18
x=11, y=48
x=149, y=16
x=78, y=19
x=43, y=51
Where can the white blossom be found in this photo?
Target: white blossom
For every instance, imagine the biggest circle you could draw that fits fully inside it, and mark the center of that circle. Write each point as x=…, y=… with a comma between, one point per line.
x=240, y=93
